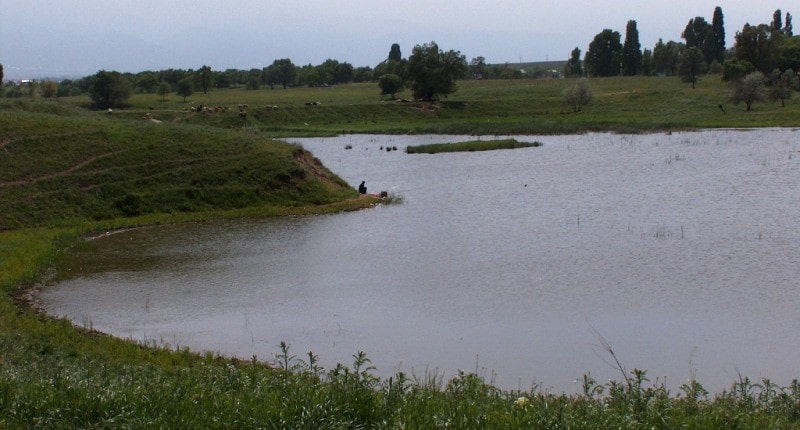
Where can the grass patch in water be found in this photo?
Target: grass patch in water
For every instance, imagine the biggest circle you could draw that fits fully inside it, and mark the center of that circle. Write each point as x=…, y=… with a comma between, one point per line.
x=470, y=146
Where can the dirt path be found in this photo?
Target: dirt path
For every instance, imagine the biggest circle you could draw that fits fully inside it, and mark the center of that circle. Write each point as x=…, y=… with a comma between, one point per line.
x=7, y=142
x=57, y=174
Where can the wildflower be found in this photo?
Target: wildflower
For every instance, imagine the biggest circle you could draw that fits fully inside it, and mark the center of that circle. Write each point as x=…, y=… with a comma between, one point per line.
x=521, y=401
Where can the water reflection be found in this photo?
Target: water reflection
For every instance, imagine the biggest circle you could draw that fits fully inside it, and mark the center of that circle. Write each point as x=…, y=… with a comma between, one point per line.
x=681, y=250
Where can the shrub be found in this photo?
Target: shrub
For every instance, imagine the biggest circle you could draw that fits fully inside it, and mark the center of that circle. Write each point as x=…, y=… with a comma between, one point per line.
x=578, y=95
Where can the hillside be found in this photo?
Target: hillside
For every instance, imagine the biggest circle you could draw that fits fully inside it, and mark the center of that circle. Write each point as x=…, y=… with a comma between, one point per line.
x=60, y=164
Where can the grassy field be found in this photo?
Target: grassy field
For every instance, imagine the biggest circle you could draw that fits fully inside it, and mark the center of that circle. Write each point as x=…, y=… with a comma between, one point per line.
x=66, y=172
x=491, y=107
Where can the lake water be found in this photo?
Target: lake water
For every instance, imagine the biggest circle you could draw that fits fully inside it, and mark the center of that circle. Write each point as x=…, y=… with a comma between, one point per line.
x=681, y=251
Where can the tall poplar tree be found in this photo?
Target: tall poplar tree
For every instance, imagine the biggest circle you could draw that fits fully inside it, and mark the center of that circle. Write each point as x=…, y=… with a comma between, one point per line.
x=716, y=42
x=205, y=78
x=787, y=29
x=777, y=20
x=394, y=53
x=574, y=68
x=631, y=51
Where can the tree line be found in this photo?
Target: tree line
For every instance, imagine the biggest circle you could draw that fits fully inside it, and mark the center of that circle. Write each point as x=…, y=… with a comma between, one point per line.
x=762, y=47
x=428, y=72
x=763, y=61
x=769, y=49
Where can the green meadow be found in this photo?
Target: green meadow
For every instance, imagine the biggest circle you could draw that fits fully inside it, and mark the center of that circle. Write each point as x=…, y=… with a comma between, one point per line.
x=486, y=107
x=67, y=172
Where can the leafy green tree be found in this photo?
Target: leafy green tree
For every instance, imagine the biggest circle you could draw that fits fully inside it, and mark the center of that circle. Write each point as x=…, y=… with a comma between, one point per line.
x=282, y=72
x=432, y=72
x=185, y=88
x=391, y=67
x=699, y=33
x=1, y=74
x=578, y=95
x=222, y=80
x=146, y=82
x=574, y=66
x=343, y=73
x=696, y=32
x=715, y=44
x=49, y=89
x=477, y=67
x=65, y=87
x=250, y=74
x=163, y=90
x=749, y=90
x=31, y=88
x=781, y=85
x=647, y=62
x=759, y=45
x=231, y=78
x=691, y=65
x=674, y=51
x=325, y=72
x=362, y=74
x=109, y=89
x=394, y=53
x=308, y=75
x=205, y=78
x=604, y=54
x=390, y=85
x=735, y=70
x=631, y=51
x=660, y=57
x=789, y=54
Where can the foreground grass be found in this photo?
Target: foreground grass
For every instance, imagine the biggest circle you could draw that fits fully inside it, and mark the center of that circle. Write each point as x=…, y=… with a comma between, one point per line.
x=66, y=173
x=469, y=146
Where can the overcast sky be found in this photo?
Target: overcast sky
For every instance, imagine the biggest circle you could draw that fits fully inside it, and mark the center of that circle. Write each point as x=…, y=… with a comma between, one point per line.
x=55, y=38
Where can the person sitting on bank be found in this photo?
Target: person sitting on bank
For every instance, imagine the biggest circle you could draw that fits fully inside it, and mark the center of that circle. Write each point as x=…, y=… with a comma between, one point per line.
x=362, y=189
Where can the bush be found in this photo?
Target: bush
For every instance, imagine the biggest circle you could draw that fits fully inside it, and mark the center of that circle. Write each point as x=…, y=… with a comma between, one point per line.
x=578, y=95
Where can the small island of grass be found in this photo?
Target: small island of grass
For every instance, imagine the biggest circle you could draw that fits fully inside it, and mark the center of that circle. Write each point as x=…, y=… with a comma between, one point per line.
x=470, y=146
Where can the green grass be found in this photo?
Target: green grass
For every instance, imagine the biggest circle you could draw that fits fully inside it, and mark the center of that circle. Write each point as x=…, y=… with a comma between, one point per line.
x=470, y=146
x=488, y=107
x=66, y=172
x=56, y=169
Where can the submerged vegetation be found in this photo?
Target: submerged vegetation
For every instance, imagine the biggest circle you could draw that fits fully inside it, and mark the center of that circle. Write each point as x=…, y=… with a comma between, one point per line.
x=470, y=146
x=66, y=172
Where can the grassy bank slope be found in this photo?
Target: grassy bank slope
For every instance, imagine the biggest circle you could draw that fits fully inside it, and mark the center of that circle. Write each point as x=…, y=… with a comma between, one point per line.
x=78, y=166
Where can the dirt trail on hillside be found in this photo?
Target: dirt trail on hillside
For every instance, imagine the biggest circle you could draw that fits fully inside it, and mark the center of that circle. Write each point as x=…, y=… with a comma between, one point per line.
x=57, y=174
